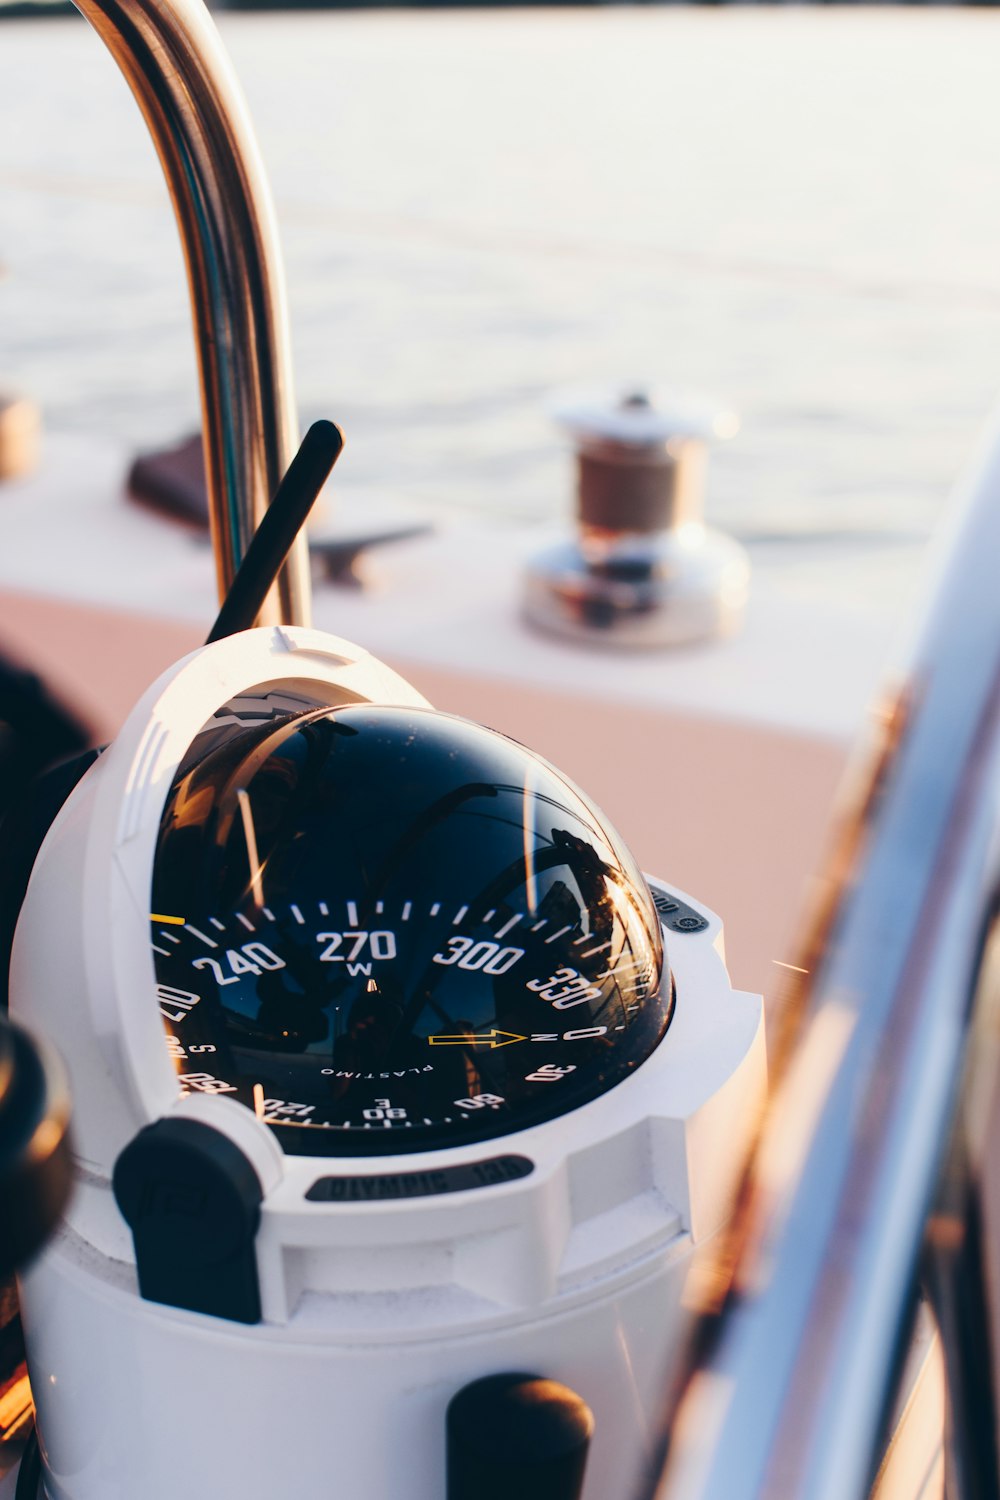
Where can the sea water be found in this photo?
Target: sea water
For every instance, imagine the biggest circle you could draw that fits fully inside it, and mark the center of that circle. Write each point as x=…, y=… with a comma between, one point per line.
x=796, y=212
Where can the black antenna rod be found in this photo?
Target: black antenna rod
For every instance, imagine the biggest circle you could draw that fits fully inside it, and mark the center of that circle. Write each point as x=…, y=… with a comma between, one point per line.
x=280, y=525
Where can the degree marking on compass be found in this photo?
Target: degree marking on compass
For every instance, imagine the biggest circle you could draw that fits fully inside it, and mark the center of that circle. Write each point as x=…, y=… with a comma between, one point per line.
x=591, y=951
x=459, y=915
x=490, y=914
x=258, y=1100
x=164, y=951
x=407, y=908
x=539, y=925
x=435, y=908
x=196, y=932
x=352, y=913
x=567, y=928
x=170, y=921
x=508, y=925
x=246, y=922
x=620, y=968
x=578, y=942
x=269, y=914
x=297, y=914
x=324, y=910
x=169, y=937
x=379, y=908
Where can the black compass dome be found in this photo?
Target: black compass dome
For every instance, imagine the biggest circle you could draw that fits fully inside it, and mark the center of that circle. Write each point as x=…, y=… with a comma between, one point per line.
x=374, y=916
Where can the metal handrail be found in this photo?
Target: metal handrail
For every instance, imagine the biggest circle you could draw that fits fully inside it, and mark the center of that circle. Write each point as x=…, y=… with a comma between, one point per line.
x=789, y=1364
x=173, y=60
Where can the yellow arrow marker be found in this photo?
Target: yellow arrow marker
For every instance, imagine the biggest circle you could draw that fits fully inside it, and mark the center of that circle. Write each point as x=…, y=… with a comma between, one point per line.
x=171, y=921
x=489, y=1039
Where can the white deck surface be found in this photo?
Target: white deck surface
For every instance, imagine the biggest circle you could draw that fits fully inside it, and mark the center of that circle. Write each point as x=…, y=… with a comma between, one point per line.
x=804, y=663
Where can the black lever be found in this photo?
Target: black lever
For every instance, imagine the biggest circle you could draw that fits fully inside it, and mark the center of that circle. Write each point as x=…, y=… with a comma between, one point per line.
x=517, y=1437
x=279, y=526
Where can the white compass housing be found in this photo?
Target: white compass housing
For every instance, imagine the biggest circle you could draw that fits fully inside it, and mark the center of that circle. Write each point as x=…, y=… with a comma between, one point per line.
x=387, y=1282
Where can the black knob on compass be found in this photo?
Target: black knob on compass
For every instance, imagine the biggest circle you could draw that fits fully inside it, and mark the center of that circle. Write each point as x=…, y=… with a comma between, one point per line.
x=517, y=1437
x=35, y=1164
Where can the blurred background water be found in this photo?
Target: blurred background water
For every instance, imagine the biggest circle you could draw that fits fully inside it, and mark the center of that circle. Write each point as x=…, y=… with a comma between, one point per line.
x=796, y=210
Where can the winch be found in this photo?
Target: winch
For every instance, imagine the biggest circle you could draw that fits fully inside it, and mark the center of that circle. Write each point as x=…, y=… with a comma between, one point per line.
x=643, y=570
